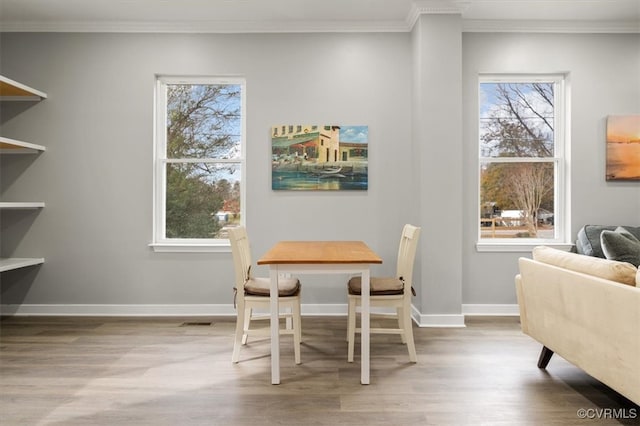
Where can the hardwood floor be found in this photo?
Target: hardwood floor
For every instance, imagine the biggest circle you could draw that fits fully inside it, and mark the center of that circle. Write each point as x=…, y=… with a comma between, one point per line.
x=176, y=371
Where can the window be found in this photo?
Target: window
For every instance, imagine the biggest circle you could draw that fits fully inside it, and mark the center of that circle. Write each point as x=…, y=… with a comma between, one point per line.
x=199, y=162
x=522, y=162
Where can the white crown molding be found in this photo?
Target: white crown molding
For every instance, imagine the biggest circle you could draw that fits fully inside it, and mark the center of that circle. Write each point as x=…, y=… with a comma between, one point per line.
x=418, y=8
x=537, y=26
x=434, y=7
x=468, y=26
x=220, y=27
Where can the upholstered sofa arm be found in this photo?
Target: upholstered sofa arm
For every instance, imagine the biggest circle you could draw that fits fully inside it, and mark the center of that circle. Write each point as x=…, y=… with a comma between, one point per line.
x=521, y=306
x=592, y=322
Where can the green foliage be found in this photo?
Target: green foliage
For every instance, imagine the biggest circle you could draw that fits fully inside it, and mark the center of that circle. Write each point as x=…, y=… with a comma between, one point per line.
x=494, y=186
x=191, y=205
x=203, y=122
x=498, y=186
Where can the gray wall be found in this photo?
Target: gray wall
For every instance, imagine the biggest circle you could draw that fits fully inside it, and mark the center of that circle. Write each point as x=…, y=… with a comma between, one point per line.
x=604, y=77
x=96, y=175
x=437, y=138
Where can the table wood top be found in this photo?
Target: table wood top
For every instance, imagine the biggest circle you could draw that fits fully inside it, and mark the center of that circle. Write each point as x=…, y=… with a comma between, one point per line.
x=319, y=252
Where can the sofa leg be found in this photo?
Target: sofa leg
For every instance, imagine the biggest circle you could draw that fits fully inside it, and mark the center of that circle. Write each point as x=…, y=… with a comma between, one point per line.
x=545, y=357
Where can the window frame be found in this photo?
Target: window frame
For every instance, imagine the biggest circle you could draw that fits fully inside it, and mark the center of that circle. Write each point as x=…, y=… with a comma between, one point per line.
x=160, y=243
x=560, y=160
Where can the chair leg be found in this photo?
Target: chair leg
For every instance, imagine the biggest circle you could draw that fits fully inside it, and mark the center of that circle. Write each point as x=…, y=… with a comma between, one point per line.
x=401, y=326
x=289, y=319
x=408, y=333
x=298, y=323
x=247, y=324
x=238, y=338
x=348, y=333
x=351, y=328
x=297, y=331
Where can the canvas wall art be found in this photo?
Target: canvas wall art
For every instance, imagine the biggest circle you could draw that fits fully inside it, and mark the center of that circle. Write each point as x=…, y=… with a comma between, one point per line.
x=623, y=147
x=319, y=157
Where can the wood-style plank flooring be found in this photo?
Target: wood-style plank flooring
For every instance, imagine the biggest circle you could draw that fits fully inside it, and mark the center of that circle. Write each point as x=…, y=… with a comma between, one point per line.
x=177, y=371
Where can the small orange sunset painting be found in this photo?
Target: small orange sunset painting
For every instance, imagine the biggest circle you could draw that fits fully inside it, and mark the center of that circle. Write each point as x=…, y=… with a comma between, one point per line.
x=623, y=147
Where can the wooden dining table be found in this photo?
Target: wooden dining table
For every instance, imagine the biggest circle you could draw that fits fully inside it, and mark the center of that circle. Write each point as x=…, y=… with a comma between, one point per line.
x=319, y=257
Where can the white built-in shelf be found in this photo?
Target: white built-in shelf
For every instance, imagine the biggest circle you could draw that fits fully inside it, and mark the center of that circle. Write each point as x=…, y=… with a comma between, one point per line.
x=21, y=204
x=8, y=264
x=11, y=90
x=12, y=146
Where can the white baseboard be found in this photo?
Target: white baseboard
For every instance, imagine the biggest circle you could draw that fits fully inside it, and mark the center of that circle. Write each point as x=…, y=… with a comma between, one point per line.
x=117, y=310
x=187, y=310
x=437, y=320
x=490, y=309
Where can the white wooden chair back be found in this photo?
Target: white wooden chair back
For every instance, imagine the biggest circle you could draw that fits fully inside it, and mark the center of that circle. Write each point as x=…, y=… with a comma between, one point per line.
x=241, y=251
x=407, y=255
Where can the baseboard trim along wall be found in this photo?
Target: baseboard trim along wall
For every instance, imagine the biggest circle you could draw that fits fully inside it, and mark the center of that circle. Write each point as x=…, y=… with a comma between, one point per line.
x=491, y=310
x=189, y=310
x=117, y=310
x=437, y=320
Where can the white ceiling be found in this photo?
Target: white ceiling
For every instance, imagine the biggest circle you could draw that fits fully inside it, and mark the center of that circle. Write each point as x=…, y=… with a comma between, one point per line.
x=314, y=15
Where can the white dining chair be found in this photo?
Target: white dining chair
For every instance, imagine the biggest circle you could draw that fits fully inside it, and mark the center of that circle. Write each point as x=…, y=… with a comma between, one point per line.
x=389, y=292
x=253, y=293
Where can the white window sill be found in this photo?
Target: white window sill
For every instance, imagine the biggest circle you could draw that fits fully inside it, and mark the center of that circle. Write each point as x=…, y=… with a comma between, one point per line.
x=191, y=247
x=515, y=247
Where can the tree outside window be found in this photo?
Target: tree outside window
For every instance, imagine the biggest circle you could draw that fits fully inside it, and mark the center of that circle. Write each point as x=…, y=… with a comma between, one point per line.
x=199, y=159
x=520, y=158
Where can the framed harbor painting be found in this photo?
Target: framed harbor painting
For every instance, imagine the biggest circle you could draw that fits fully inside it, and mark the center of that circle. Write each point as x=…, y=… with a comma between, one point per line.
x=319, y=157
x=623, y=147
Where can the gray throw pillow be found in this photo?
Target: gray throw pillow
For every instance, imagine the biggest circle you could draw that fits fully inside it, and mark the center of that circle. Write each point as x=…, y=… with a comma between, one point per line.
x=621, y=245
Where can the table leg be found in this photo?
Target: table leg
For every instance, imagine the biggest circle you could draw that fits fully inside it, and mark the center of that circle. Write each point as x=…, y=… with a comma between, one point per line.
x=365, y=329
x=275, y=327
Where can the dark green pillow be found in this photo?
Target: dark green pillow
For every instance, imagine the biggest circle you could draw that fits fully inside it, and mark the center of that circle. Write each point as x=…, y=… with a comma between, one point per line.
x=621, y=245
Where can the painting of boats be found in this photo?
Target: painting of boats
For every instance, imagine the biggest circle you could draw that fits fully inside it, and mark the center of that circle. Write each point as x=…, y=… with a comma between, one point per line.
x=319, y=158
x=623, y=147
